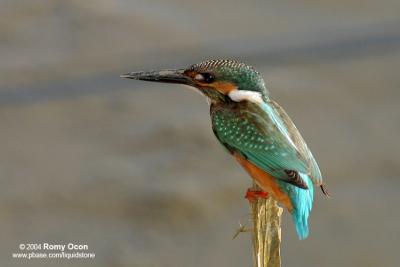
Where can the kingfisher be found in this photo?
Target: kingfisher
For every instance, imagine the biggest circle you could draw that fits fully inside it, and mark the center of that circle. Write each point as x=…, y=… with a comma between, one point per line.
x=255, y=130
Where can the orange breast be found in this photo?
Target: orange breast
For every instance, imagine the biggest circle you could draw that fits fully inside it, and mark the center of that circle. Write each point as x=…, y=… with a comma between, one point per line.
x=265, y=181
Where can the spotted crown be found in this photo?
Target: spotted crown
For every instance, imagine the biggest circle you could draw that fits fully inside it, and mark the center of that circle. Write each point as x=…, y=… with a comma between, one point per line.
x=215, y=63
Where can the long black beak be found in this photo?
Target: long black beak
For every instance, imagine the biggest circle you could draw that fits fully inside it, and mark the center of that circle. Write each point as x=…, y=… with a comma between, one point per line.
x=164, y=76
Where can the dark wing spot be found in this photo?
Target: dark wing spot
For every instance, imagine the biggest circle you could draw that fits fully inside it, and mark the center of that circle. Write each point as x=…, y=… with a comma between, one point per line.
x=295, y=179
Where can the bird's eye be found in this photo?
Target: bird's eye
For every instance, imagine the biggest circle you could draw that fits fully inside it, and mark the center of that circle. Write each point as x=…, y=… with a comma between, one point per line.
x=205, y=77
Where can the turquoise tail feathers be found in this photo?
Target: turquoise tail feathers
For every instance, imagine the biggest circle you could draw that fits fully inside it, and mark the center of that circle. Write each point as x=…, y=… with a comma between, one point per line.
x=302, y=200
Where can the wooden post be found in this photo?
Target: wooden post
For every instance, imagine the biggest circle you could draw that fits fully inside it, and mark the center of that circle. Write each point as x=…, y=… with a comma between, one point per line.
x=266, y=217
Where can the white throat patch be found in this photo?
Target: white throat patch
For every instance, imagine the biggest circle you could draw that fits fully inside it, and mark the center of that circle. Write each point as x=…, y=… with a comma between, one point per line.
x=241, y=95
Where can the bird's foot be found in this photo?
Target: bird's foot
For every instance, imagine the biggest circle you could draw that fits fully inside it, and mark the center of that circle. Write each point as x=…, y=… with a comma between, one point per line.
x=253, y=195
x=242, y=229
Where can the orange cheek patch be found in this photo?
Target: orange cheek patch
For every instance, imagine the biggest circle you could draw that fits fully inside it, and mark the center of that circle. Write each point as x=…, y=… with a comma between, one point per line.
x=265, y=181
x=223, y=87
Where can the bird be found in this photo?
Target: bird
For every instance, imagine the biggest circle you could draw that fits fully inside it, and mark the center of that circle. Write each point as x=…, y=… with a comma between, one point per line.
x=255, y=130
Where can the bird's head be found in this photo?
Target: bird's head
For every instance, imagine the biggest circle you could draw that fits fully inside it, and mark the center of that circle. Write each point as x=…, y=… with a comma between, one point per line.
x=219, y=80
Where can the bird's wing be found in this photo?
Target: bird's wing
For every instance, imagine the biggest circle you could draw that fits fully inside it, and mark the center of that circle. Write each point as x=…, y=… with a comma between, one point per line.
x=265, y=135
x=305, y=152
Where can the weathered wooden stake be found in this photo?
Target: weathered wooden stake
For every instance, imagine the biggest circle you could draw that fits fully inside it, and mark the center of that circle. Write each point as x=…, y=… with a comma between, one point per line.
x=266, y=217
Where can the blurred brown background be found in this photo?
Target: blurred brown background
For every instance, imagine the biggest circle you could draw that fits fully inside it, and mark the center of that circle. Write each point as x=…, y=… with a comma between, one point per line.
x=132, y=169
